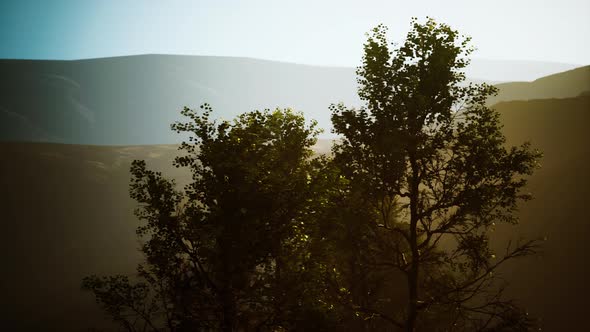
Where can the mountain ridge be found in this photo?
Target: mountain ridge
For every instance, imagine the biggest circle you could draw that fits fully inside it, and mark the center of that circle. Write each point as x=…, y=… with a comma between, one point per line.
x=549, y=65
x=133, y=99
x=566, y=84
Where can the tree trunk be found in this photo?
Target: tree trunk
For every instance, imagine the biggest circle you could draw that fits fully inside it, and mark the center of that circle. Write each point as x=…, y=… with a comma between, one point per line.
x=413, y=297
x=415, y=262
x=228, y=310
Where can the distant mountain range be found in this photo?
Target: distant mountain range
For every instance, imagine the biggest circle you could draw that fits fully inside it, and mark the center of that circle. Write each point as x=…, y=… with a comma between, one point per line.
x=571, y=83
x=514, y=70
x=133, y=100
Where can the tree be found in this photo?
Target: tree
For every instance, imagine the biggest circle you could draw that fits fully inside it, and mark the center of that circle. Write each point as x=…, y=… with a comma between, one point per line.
x=426, y=161
x=391, y=233
x=228, y=252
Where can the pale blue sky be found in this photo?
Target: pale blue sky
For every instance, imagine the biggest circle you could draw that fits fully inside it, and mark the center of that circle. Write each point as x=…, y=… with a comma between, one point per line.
x=310, y=32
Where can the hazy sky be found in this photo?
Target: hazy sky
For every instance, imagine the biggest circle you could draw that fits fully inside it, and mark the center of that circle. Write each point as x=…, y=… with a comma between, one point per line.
x=301, y=31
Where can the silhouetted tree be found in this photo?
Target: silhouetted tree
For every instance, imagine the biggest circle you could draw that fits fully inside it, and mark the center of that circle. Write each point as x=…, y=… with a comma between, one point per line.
x=428, y=176
x=391, y=233
x=228, y=252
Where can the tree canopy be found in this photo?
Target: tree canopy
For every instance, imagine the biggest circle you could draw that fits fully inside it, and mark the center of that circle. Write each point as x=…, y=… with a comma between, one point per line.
x=390, y=232
x=428, y=158
x=223, y=253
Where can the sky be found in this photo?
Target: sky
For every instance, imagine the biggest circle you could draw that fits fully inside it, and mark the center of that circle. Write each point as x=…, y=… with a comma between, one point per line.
x=316, y=32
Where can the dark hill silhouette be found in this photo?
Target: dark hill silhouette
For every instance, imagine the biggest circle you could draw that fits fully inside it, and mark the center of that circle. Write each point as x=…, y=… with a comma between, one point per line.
x=65, y=211
x=515, y=70
x=567, y=84
x=554, y=287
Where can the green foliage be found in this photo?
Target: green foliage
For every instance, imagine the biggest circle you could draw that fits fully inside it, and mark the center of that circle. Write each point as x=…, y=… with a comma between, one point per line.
x=229, y=250
x=429, y=160
x=391, y=233
x=123, y=300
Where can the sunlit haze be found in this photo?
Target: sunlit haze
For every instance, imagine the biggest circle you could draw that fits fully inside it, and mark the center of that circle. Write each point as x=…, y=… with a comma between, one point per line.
x=310, y=32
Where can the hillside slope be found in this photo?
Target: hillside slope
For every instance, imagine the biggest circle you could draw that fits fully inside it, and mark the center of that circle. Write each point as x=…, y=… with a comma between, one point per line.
x=66, y=213
x=568, y=84
x=514, y=70
x=554, y=286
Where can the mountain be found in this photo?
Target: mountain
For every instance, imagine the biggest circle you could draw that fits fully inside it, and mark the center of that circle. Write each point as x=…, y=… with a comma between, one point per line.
x=66, y=214
x=554, y=286
x=567, y=84
x=134, y=99
x=514, y=70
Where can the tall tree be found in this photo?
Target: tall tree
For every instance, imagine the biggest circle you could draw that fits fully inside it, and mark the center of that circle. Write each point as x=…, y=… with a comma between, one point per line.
x=390, y=234
x=427, y=160
x=228, y=251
